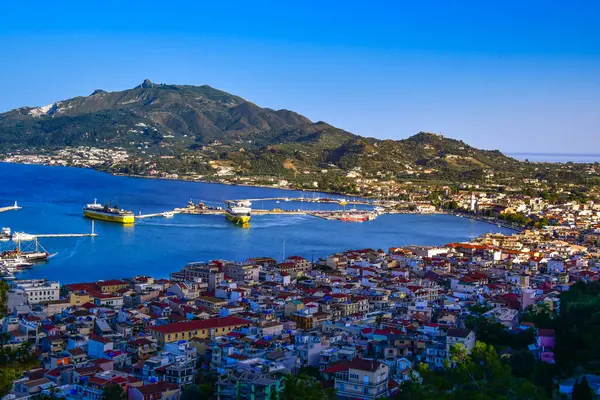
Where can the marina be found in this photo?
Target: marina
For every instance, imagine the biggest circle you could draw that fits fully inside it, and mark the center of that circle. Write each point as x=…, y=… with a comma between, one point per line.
x=160, y=245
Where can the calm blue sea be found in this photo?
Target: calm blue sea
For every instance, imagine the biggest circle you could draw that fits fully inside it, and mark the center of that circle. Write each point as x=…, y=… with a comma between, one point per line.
x=52, y=199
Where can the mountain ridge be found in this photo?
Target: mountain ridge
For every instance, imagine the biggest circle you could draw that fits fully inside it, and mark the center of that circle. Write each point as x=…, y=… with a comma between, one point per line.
x=225, y=129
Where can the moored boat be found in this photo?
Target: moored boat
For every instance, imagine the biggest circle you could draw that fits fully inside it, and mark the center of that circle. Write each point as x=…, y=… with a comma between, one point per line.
x=5, y=235
x=108, y=213
x=353, y=218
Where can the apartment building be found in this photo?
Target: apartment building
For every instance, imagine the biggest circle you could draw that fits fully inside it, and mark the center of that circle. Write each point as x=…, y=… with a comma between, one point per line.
x=38, y=290
x=360, y=378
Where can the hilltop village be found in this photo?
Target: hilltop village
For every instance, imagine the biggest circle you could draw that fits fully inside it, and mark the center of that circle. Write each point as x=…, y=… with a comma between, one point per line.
x=366, y=323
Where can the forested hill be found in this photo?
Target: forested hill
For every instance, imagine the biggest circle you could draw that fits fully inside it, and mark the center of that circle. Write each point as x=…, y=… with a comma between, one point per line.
x=223, y=129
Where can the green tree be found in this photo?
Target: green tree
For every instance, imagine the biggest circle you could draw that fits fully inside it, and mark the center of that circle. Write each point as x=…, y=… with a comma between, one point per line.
x=13, y=362
x=540, y=314
x=305, y=388
x=577, y=328
x=481, y=375
x=113, y=392
x=582, y=390
x=3, y=297
x=202, y=391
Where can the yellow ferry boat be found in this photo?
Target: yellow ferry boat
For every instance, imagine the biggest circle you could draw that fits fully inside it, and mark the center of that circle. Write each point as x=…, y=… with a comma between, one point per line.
x=107, y=213
x=238, y=212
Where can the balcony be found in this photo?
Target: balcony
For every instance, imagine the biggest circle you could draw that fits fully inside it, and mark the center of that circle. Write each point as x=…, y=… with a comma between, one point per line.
x=361, y=391
x=344, y=378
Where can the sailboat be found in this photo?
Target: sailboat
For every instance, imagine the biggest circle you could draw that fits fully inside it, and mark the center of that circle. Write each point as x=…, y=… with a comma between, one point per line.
x=36, y=254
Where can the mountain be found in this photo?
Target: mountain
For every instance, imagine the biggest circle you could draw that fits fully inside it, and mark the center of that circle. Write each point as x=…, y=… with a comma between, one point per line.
x=220, y=130
x=200, y=112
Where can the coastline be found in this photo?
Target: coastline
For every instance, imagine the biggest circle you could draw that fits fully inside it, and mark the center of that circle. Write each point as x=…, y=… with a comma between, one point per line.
x=184, y=179
x=492, y=221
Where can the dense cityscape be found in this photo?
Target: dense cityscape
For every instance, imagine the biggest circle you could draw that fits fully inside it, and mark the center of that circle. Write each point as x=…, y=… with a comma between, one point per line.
x=300, y=200
x=368, y=323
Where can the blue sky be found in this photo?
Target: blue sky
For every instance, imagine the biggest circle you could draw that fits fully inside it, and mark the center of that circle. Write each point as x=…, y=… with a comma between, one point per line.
x=519, y=76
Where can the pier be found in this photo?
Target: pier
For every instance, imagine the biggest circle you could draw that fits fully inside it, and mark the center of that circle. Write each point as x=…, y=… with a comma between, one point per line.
x=214, y=211
x=311, y=200
x=10, y=208
x=64, y=235
x=21, y=236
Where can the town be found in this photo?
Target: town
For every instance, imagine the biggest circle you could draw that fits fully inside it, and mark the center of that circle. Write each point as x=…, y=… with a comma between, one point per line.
x=366, y=323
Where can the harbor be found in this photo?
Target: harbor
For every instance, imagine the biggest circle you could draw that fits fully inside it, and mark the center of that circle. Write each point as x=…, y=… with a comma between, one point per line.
x=159, y=245
x=20, y=251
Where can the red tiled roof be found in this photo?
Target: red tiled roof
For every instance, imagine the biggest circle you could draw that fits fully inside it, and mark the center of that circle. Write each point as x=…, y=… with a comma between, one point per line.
x=357, y=363
x=111, y=282
x=546, y=332
x=98, y=381
x=156, y=388
x=100, y=339
x=200, y=324
x=82, y=287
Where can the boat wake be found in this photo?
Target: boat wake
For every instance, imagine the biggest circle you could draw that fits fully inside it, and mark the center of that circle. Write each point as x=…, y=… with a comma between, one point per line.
x=188, y=226
x=273, y=223
x=71, y=253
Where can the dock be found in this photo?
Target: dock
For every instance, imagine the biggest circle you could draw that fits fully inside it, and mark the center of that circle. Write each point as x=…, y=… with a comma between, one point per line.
x=311, y=200
x=10, y=208
x=64, y=235
x=27, y=236
x=195, y=211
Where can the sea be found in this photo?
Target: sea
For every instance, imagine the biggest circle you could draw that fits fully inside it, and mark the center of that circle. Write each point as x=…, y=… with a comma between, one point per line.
x=557, y=157
x=52, y=199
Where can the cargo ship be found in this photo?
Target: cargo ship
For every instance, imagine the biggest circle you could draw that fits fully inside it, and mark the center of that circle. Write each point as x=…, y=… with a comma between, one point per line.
x=238, y=212
x=108, y=213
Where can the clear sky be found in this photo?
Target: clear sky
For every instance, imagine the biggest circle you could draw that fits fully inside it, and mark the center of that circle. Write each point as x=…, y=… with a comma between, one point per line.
x=519, y=76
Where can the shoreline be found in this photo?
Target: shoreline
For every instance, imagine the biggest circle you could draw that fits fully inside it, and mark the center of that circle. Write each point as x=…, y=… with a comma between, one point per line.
x=499, y=223
x=183, y=179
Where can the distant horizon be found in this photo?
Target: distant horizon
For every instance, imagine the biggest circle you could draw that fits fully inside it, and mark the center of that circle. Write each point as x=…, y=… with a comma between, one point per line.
x=578, y=158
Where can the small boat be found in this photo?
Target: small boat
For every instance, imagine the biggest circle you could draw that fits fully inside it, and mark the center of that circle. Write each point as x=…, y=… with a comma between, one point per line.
x=17, y=263
x=353, y=218
x=7, y=276
x=5, y=235
x=168, y=214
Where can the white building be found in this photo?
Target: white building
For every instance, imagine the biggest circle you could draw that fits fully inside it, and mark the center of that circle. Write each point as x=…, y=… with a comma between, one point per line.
x=38, y=290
